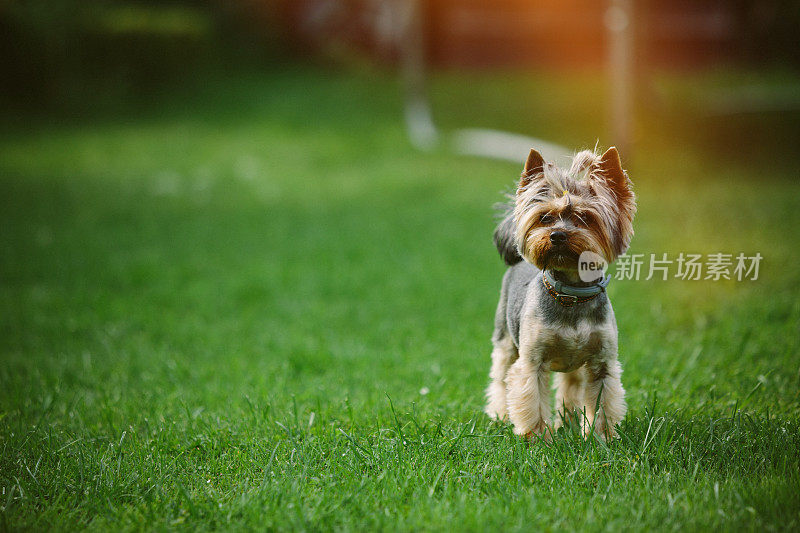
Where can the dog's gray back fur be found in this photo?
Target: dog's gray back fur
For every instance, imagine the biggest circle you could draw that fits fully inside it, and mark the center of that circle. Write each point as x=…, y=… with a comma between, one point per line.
x=521, y=287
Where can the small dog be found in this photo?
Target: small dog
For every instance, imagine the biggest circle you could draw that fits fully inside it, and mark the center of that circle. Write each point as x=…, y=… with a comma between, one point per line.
x=548, y=319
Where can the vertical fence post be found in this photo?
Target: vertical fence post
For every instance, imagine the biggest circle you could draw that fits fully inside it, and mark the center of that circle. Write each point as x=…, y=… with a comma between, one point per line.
x=619, y=22
x=419, y=121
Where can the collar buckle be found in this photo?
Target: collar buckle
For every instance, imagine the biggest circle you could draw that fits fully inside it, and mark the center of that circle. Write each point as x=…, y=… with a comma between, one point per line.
x=567, y=299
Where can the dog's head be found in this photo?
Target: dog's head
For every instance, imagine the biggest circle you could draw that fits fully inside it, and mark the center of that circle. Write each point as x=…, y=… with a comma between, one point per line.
x=560, y=213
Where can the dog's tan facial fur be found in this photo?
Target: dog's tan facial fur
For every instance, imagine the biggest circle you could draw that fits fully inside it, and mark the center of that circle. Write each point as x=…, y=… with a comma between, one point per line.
x=591, y=203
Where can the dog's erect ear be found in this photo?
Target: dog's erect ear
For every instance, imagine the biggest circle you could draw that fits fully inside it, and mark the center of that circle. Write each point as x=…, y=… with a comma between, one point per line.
x=616, y=180
x=533, y=165
x=611, y=170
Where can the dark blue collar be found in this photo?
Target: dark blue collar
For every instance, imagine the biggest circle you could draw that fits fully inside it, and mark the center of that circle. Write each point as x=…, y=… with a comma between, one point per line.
x=568, y=295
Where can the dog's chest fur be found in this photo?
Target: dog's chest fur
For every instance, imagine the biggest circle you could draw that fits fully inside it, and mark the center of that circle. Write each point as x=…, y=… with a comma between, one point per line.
x=564, y=338
x=567, y=348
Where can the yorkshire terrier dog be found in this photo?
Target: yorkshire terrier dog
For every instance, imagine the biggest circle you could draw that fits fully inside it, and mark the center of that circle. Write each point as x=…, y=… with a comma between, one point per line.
x=550, y=317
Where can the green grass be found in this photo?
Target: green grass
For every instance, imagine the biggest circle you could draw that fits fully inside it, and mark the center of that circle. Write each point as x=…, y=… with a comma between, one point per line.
x=220, y=312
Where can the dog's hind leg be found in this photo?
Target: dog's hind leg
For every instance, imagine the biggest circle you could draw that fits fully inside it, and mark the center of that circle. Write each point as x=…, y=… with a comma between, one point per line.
x=570, y=396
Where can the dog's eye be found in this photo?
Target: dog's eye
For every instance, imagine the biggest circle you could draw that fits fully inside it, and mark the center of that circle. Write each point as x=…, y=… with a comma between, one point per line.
x=546, y=219
x=579, y=219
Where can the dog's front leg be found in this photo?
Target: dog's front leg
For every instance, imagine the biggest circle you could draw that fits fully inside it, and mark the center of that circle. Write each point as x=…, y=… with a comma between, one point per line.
x=605, y=399
x=528, y=395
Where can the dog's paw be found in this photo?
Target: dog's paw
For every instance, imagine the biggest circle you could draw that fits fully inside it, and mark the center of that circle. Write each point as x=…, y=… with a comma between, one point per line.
x=570, y=419
x=604, y=434
x=538, y=431
x=496, y=413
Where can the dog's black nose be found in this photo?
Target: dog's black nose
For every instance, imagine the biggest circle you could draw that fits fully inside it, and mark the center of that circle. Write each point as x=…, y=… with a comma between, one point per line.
x=558, y=237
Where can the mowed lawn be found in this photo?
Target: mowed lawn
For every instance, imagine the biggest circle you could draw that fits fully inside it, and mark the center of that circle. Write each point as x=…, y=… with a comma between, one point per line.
x=255, y=306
